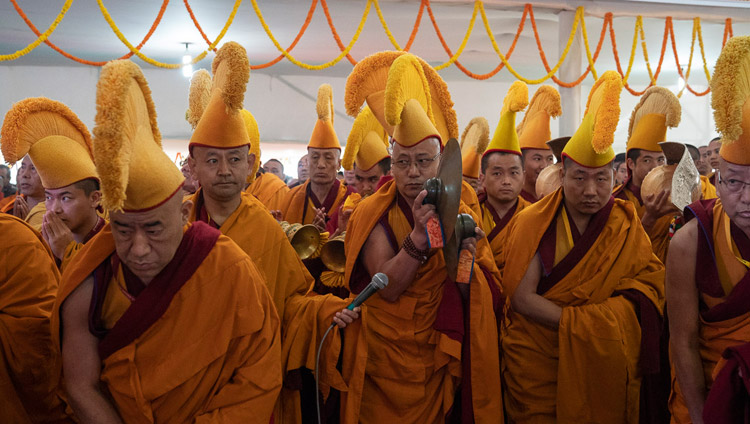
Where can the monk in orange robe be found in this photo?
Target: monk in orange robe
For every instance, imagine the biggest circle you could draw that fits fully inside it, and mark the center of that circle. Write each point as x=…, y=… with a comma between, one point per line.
x=585, y=291
x=657, y=111
x=270, y=191
x=222, y=153
x=707, y=266
x=59, y=147
x=500, y=167
x=315, y=201
x=430, y=351
x=29, y=372
x=29, y=204
x=159, y=322
x=502, y=179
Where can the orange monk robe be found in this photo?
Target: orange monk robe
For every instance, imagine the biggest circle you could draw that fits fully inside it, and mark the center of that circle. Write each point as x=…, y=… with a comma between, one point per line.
x=29, y=373
x=659, y=233
x=496, y=227
x=6, y=203
x=418, y=352
x=300, y=203
x=211, y=356
x=588, y=369
x=723, y=283
x=708, y=190
x=72, y=249
x=469, y=197
x=270, y=190
x=36, y=215
x=257, y=233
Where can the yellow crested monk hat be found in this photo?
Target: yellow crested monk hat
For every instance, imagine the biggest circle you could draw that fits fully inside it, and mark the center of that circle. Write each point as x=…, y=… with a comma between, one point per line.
x=730, y=90
x=367, y=83
x=591, y=145
x=657, y=110
x=220, y=124
x=367, y=143
x=474, y=141
x=534, y=131
x=505, y=138
x=323, y=135
x=136, y=175
x=57, y=142
x=408, y=104
x=198, y=100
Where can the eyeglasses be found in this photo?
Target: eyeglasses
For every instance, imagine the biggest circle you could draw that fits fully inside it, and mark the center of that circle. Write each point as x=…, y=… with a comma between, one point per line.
x=733, y=185
x=404, y=164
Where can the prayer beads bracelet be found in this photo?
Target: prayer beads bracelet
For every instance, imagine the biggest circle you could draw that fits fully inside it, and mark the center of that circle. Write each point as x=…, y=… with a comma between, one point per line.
x=411, y=249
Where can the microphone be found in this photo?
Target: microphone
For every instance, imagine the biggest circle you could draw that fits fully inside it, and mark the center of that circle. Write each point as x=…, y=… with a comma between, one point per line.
x=378, y=282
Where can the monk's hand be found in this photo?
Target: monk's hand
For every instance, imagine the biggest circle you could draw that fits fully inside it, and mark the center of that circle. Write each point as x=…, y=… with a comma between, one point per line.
x=344, y=215
x=469, y=244
x=57, y=235
x=277, y=215
x=479, y=233
x=422, y=213
x=320, y=219
x=346, y=317
x=20, y=207
x=656, y=206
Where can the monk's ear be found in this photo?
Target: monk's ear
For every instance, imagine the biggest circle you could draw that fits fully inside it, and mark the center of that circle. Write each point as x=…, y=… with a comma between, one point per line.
x=481, y=178
x=185, y=209
x=95, y=197
x=251, y=160
x=630, y=163
x=191, y=163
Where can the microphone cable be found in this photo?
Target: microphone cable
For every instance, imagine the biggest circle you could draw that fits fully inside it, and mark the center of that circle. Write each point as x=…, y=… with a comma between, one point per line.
x=317, y=365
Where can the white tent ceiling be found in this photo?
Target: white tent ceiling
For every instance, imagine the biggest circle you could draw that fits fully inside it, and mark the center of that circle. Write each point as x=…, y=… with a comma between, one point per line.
x=85, y=33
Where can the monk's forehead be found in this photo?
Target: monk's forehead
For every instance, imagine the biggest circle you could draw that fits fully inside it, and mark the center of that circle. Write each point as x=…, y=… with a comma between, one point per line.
x=726, y=167
x=430, y=147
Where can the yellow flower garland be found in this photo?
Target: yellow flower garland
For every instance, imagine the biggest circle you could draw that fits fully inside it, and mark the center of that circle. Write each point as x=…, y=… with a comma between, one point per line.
x=305, y=65
x=41, y=38
x=147, y=59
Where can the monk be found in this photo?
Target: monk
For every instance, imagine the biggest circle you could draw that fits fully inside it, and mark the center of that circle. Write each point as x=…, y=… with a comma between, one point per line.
x=534, y=161
x=502, y=178
x=423, y=363
x=321, y=195
x=191, y=184
x=584, y=289
x=533, y=133
x=302, y=173
x=59, y=147
x=365, y=184
x=502, y=172
x=220, y=162
x=714, y=146
x=658, y=110
x=72, y=218
x=708, y=190
x=158, y=321
x=29, y=206
x=704, y=169
x=367, y=156
x=7, y=189
x=275, y=167
x=29, y=376
x=707, y=264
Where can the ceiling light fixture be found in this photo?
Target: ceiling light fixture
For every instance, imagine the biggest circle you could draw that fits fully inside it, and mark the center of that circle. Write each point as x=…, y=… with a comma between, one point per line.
x=187, y=62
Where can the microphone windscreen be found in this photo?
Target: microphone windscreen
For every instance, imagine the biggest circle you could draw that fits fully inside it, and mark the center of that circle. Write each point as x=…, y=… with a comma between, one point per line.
x=380, y=280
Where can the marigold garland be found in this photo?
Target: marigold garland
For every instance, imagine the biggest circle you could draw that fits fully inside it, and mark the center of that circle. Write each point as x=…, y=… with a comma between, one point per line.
x=151, y=61
x=41, y=38
x=453, y=58
x=33, y=28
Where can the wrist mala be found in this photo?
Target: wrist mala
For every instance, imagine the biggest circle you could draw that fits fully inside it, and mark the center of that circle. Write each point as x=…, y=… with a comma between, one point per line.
x=411, y=249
